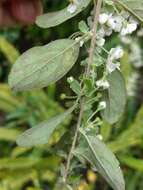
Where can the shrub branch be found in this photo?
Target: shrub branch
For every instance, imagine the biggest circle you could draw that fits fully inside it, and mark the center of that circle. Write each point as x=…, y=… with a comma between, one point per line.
x=97, y=9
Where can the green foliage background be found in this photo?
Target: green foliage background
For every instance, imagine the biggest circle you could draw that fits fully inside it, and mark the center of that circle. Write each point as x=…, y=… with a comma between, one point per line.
x=37, y=168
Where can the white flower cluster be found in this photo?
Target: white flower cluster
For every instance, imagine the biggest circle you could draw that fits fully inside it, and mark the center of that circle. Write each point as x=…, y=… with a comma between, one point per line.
x=123, y=23
x=112, y=61
x=72, y=7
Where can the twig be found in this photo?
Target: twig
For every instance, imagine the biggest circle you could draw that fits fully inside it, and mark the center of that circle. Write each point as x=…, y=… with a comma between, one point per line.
x=74, y=139
x=97, y=9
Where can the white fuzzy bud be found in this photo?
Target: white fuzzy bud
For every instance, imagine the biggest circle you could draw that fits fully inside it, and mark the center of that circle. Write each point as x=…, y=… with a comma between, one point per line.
x=100, y=137
x=102, y=105
x=102, y=83
x=103, y=18
x=72, y=7
x=116, y=53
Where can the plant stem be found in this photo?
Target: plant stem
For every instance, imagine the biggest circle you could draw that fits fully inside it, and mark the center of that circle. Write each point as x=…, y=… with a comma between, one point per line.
x=74, y=139
x=97, y=9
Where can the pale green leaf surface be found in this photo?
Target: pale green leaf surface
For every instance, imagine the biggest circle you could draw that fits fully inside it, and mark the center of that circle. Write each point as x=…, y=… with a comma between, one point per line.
x=41, y=133
x=41, y=66
x=133, y=6
x=115, y=98
x=99, y=155
x=55, y=18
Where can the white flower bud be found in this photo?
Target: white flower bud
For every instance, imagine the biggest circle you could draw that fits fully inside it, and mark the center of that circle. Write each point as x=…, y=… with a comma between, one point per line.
x=131, y=27
x=78, y=39
x=103, y=18
x=112, y=66
x=101, y=42
x=108, y=31
x=70, y=79
x=111, y=23
x=102, y=105
x=100, y=137
x=116, y=53
x=101, y=32
x=102, y=83
x=72, y=7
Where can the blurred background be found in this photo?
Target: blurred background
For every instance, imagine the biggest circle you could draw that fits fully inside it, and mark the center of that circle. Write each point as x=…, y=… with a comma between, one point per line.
x=38, y=168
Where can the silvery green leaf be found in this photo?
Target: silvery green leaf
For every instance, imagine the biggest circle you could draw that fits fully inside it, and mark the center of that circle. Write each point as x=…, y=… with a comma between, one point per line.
x=55, y=18
x=41, y=133
x=100, y=157
x=41, y=66
x=75, y=86
x=83, y=27
x=115, y=98
x=133, y=6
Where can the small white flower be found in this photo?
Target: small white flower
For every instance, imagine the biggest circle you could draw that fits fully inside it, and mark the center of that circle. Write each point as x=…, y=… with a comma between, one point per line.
x=116, y=53
x=100, y=137
x=112, y=67
x=100, y=42
x=101, y=32
x=103, y=18
x=119, y=22
x=129, y=28
x=108, y=31
x=102, y=105
x=124, y=31
x=78, y=39
x=102, y=83
x=111, y=22
x=70, y=79
x=72, y=7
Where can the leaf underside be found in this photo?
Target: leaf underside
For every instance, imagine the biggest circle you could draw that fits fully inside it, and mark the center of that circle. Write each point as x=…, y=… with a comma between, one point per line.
x=41, y=66
x=115, y=98
x=100, y=157
x=41, y=133
x=133, y=6
x=55, y=18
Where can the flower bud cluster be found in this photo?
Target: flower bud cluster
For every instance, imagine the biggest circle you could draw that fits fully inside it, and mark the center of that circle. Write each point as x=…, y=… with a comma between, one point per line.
x=112, y=22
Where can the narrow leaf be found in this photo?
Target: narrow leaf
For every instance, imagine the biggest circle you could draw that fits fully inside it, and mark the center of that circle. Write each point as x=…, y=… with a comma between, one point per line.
x=55, y=18
x=133, y=6
x=41, y=66
x=97, y=153
x=115, y=98
x=41, y=133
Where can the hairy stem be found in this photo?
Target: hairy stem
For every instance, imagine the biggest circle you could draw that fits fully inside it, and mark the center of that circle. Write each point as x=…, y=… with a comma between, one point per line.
x=97, y=9
x=75, y=138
